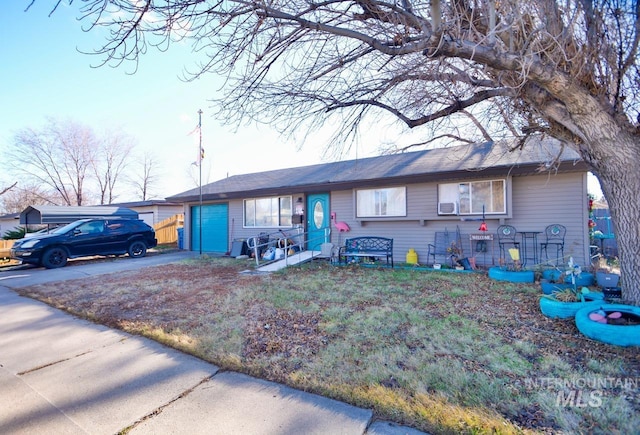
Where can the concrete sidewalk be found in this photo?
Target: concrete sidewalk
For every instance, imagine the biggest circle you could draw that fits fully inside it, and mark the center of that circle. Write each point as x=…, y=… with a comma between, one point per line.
x=63, y=375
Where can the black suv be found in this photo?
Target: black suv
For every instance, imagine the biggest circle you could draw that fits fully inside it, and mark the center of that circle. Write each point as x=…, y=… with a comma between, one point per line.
x=86, y=237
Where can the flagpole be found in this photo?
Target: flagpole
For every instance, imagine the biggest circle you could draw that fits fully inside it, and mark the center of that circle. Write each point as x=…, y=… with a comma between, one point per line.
x=200, y=182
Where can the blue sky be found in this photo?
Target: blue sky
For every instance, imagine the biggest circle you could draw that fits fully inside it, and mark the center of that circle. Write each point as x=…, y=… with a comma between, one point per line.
x=43, y=75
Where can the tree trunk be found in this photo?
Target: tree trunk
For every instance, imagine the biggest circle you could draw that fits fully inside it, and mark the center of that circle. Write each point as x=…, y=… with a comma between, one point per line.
x=613, y=153
x=619, y=176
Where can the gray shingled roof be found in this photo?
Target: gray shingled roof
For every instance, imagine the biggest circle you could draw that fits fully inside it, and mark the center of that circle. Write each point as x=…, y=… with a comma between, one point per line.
x=441, y=163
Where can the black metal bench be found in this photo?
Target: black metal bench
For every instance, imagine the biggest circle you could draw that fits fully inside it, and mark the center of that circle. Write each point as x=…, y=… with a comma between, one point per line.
x=367, y=247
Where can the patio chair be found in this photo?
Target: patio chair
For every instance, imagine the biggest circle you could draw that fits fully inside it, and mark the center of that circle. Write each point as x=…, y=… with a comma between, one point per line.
x=440, y=246
x=507, y=237
x=554, y=237
x=443, y=243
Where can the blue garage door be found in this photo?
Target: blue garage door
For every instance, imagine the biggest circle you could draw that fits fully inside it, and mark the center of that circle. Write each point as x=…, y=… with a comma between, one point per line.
x=214, y=228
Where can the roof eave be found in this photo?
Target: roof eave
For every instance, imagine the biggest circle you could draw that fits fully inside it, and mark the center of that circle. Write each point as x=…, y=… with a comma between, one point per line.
x=495, y=171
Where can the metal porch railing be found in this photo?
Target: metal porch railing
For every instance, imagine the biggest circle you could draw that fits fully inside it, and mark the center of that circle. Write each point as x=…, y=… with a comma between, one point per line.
x=295, y=240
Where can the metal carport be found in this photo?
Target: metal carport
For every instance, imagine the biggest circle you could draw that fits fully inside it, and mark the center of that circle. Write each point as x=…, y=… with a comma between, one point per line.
x=53, y=214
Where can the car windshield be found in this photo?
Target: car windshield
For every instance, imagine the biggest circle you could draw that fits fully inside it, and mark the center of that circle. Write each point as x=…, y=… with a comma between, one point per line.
x=68, y=227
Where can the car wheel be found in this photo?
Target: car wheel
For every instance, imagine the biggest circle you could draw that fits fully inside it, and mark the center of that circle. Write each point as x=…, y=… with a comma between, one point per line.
x=137, y=249
x=54, y=258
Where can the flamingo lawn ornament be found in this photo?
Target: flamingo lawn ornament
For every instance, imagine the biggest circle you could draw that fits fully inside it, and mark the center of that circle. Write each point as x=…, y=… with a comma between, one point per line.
x=342, y=227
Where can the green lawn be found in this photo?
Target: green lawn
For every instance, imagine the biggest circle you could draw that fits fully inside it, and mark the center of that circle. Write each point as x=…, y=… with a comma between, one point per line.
x=443, y=352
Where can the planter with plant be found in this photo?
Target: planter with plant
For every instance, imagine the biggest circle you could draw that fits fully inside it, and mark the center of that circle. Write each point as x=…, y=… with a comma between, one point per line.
x=553, y=280
x=512, y=272
x=565, y=303
x=458, y=262
x=615, y=324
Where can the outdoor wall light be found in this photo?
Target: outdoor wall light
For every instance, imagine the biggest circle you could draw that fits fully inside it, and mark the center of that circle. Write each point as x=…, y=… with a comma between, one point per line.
x=299, y=210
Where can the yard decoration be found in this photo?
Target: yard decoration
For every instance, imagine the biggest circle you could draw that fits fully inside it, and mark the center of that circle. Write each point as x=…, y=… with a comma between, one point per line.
x=565, y=303
x=507, y=274
x=615, y=324
x=601, y=316
x=512, y=272
x=458, y=262
x=553, y=281
x=549, y=287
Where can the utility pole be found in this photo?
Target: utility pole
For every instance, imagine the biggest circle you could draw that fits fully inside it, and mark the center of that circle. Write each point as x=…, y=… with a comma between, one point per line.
x=200, y=182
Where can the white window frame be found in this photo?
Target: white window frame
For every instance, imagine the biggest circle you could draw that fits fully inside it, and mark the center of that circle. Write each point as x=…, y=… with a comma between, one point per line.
x=277, y=214
x=381, y=202
x=457, y=193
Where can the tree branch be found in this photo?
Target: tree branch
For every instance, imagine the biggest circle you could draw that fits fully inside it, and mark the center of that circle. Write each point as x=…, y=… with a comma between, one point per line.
x=5, y=190
x=458, y=106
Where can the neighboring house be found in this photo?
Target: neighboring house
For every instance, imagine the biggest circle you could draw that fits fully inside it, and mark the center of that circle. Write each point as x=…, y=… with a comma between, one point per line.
x=9, y=222
x=408, y=197
x=153, y=211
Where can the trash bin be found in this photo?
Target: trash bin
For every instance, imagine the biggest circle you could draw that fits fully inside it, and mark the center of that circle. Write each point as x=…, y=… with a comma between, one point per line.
x=180, y=238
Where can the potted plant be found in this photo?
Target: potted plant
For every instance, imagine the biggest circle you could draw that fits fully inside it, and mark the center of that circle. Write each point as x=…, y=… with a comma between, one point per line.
x=457, y=261
x=512, y=272
x=565, y=303
x=553, y=280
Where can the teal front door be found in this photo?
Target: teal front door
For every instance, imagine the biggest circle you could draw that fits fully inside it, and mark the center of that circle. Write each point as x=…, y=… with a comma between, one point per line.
x=213, y=229
x=318, y=220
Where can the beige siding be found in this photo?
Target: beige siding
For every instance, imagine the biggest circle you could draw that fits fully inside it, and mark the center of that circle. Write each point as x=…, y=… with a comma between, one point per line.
x=167, y=211
x=536, y=201
x=236, y=228
x=160, y=212
x=543, y=200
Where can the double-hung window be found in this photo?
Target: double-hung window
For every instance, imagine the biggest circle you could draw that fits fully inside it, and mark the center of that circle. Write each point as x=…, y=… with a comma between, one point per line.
x=268, y=212
x=381, y=202
x=474, y=197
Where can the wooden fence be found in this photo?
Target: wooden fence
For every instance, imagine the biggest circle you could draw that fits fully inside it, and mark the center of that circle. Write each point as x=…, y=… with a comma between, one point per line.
x=5, y=246
x=167, y=230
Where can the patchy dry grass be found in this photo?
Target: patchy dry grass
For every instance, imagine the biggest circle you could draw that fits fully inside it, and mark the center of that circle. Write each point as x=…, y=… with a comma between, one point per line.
x=442, y=352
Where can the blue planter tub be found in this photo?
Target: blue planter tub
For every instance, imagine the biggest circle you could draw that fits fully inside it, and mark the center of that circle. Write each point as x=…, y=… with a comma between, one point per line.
x=566, y=310
x=500, y=274
x=552, y=275
x=550, y=287
x=619, y=335
x=585, y=279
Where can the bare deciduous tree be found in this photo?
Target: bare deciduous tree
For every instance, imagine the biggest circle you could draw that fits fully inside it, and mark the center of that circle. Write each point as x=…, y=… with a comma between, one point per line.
x=18, y=199
x=470, y=70
x=147, y=177
x=68, y=163
x=112, y=158
x=58, y=156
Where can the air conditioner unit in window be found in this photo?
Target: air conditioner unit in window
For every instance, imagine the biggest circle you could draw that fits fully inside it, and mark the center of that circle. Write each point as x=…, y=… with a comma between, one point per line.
x=447, y=208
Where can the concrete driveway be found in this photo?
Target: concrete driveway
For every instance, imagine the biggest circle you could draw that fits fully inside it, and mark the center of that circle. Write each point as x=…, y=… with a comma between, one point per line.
x=26, y=275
